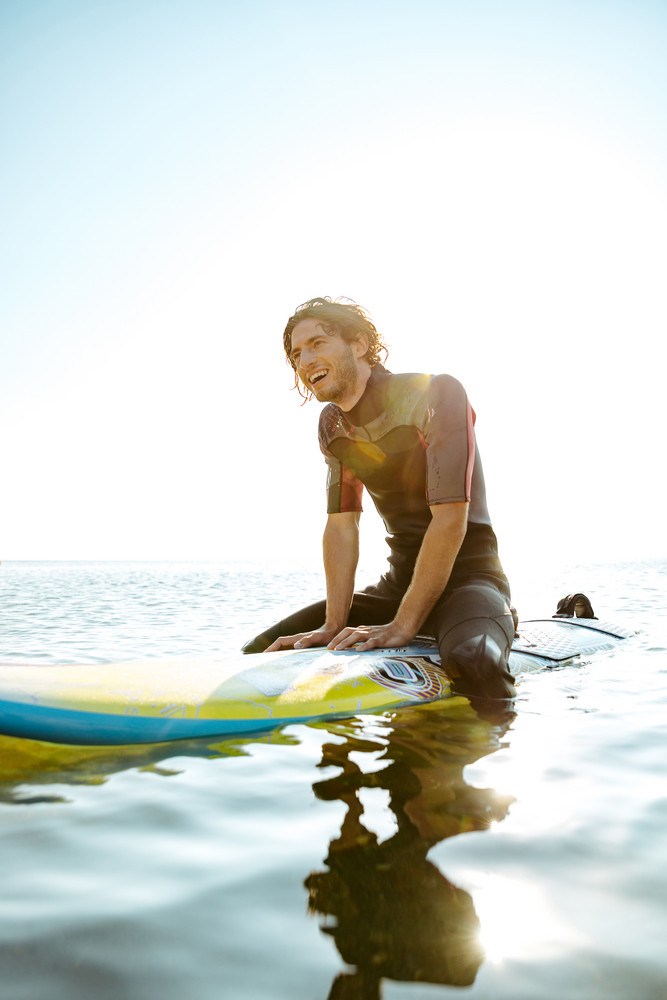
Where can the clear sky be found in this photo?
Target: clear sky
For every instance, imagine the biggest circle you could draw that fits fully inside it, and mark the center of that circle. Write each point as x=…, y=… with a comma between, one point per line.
x=488, y=178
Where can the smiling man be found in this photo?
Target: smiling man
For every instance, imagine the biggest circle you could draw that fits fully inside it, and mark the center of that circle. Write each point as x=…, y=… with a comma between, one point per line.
x=409, y=440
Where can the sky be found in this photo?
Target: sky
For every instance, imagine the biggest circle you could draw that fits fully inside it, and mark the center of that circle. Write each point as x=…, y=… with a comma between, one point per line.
x=487, y=178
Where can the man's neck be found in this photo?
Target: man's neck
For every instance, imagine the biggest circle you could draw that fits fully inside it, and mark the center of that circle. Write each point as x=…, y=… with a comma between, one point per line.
x=355, y=394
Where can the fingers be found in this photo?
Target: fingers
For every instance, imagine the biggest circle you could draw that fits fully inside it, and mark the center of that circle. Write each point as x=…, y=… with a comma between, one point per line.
x=282, y=642
x=362, y=638
x=347, y=637
x=298, y=641
x=302, y=640
x=370, y=637
x=372, y=643
x=380, y=639
x=309, y=640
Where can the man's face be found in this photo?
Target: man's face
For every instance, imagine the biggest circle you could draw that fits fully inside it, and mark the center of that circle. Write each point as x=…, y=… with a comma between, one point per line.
x=330, y=367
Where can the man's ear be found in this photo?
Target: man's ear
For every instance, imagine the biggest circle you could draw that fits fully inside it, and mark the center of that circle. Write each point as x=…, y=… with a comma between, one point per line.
x=360, y=345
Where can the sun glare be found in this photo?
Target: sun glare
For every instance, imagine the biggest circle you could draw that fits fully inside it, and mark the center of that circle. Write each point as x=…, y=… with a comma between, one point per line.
x=518, y=921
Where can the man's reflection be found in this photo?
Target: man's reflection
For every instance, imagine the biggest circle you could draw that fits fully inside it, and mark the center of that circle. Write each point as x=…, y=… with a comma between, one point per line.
x=395, y=913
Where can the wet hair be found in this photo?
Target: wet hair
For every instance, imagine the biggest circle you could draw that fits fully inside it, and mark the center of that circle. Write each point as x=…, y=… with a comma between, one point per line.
x=341, y=316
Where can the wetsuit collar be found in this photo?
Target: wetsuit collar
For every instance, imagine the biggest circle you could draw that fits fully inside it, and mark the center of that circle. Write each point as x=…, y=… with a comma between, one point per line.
x=371, y=403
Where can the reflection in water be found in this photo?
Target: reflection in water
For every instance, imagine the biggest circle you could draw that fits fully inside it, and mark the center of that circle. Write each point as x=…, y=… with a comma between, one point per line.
x=25, y=763
x=390, y=911
x=395, y=914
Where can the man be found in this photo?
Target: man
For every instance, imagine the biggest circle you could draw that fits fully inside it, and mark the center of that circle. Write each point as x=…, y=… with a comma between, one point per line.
x=409, y=440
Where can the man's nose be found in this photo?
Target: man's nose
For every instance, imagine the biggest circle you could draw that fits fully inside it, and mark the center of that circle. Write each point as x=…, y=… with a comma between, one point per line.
x=304, y=359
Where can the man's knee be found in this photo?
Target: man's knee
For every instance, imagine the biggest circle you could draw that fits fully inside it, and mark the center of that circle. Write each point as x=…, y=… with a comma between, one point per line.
x=256, y=645
x=477, y=661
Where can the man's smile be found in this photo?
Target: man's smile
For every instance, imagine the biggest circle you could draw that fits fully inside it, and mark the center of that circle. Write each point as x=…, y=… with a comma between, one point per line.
x=330, y=367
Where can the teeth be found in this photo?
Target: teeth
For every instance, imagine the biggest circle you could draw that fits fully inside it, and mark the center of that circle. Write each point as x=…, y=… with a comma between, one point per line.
x=316, y=376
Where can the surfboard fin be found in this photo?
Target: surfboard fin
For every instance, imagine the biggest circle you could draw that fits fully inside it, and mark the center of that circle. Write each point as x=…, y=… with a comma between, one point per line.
x=574, y=606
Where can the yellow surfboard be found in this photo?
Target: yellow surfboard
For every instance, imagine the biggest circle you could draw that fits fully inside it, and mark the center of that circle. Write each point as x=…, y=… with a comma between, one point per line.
x=233, y=694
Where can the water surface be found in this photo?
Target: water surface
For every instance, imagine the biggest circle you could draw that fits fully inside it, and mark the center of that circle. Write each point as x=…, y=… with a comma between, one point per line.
x=418, y=854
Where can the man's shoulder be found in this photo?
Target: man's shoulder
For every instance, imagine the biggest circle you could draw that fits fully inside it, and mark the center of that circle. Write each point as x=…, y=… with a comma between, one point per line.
x=423, y=383
x=331, y=420
x=420, y=377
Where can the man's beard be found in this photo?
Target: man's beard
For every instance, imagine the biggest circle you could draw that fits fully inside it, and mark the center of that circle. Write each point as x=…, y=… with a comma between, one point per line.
x=343, y=379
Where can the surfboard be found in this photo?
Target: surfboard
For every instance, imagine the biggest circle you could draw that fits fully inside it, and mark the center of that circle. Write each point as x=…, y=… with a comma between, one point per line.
x=234, y=694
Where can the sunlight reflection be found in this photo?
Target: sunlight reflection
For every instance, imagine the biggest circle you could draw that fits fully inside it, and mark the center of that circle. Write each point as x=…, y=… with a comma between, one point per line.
x=369, y=762
x=518, y=921
x=378, y=817
x=526, y=770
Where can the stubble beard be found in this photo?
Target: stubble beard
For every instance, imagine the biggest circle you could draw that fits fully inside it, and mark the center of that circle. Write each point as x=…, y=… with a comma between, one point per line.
x=345, y=377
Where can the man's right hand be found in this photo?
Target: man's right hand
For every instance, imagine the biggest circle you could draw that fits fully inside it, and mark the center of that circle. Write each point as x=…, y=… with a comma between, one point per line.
x=303, y=640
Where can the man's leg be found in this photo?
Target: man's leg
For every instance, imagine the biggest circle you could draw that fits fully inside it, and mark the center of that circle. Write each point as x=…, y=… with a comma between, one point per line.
x=369, y=607
x=474, y=627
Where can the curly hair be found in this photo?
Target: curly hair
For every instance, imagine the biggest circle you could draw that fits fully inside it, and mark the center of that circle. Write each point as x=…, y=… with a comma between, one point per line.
x=341, y=316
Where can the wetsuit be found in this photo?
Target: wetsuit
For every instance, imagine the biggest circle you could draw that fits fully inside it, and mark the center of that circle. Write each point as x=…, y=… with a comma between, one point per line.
x=410, y=442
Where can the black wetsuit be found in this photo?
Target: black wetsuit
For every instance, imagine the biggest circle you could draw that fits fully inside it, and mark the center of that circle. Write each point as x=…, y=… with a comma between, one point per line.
x=410, y=442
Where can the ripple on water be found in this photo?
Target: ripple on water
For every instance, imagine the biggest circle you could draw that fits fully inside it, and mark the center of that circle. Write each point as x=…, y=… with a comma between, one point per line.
x=166, y=872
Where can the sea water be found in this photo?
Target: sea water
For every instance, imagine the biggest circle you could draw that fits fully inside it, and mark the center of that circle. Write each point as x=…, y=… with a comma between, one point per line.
x=420, y=854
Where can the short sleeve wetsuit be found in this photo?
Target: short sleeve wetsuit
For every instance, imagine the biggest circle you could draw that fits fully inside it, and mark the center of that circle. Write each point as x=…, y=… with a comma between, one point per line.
x=410, y=442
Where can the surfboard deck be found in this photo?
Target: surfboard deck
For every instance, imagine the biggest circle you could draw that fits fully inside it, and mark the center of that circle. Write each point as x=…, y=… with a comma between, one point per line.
x=232, y=694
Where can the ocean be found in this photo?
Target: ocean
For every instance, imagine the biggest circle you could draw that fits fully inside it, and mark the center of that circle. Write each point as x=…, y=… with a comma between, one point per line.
x=417, y=855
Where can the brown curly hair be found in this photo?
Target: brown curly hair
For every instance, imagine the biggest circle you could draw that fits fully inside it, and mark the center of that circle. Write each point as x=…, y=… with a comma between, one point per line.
x=341, y=316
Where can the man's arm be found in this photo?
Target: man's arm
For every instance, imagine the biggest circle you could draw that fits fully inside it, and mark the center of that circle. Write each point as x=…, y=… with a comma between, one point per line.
x=439, y=548
x=340, y=549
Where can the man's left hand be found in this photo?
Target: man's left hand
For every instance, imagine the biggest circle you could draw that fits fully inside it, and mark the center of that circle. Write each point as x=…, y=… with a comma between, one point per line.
x=372, y=637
